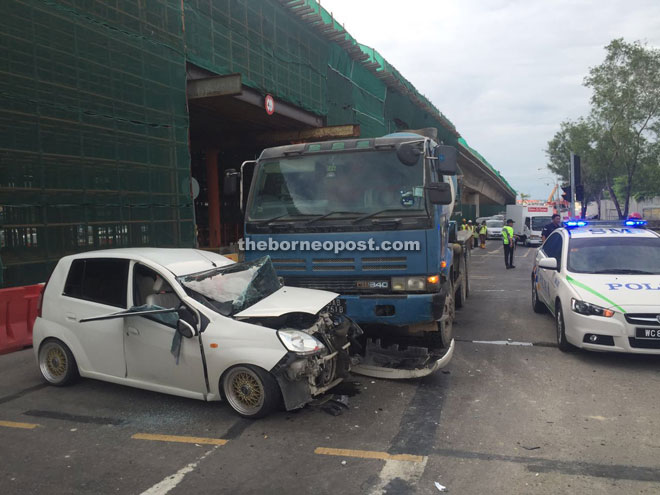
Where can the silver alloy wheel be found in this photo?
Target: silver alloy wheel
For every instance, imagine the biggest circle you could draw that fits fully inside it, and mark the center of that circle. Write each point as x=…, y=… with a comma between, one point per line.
x=53, y=362
x=244, y=390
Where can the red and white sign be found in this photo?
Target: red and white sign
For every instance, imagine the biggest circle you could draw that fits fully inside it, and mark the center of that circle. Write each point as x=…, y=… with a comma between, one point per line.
x=541, y=209
x=269, y=105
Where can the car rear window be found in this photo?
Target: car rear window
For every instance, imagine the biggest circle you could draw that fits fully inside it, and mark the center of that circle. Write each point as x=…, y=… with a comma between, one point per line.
x=101, y=280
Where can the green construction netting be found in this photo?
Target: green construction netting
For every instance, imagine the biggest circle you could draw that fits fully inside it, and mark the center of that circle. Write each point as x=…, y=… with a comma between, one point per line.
x=94, y=125
x=93, y=131
x=463, y=142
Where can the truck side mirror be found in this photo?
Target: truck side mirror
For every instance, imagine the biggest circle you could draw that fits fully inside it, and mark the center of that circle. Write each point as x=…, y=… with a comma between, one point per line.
x=446, y=157
x=409, y=153
x=439, y=193
x=230, y=184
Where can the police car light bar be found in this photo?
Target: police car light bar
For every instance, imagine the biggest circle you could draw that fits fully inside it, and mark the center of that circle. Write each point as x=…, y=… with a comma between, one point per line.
x=635, y=223
x=575, y=223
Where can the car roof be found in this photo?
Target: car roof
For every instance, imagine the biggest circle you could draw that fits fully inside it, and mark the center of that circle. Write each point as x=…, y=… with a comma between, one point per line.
x=591, y=231
x=180, y=261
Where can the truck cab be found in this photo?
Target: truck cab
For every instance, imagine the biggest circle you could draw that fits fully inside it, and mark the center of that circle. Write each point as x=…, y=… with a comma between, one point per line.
x=366, y=218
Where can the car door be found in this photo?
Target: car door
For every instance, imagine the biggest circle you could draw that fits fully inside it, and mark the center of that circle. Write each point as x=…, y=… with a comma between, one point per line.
x=549, y=279
x=97, y=286
x=148, y=339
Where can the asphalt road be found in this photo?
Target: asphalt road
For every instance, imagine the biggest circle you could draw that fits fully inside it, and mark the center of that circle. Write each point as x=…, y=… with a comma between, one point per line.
x=500, y=419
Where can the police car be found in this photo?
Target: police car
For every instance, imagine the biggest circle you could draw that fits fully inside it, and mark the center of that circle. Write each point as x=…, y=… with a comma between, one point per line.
x=601, y=281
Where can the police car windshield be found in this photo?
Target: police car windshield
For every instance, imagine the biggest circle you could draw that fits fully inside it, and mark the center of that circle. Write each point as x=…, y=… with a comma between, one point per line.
x=615, y=255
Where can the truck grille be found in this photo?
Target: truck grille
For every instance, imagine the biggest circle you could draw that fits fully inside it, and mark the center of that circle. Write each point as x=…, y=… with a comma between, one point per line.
x=643, y=319
x=333, y=284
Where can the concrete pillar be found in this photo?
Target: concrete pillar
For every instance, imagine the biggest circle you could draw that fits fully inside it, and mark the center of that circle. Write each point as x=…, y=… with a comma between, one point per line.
x=476, y=204
x=213, y=188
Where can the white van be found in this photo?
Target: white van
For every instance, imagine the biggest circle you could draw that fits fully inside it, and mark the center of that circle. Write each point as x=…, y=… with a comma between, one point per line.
x=529, y=221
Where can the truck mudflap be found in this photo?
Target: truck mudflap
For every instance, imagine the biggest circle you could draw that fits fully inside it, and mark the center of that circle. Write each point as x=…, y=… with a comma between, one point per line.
x=390, y=362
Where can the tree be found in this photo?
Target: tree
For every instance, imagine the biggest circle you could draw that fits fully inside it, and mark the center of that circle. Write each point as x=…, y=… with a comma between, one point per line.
x=626, y=117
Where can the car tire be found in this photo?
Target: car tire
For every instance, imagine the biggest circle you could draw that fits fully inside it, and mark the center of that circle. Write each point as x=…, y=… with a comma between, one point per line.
x=562, y=343
x=56, y=363
x=537, y=304
x=250, y=391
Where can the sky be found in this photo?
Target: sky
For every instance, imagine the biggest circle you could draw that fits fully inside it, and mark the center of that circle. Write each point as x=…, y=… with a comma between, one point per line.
x=505, y=72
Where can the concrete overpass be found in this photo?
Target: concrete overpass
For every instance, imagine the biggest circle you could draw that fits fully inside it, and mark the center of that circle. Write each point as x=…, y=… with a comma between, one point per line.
x=480, y=183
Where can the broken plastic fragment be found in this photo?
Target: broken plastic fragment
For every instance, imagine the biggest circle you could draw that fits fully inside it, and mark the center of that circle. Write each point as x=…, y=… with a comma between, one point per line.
x=440, y=487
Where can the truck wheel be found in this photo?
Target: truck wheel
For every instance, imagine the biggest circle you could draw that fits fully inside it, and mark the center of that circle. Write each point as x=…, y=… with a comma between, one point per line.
x=442, y=338
x=466, y=281
x=459, y=295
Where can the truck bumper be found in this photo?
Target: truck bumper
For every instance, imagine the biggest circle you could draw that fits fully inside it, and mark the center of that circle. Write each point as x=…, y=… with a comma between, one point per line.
x=398, y=374
x=396, y=310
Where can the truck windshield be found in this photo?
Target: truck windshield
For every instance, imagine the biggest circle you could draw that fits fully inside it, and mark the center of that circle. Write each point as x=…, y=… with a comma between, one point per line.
x=231, y=289
x=349, y=184
x=622, y=255
x=539, y=222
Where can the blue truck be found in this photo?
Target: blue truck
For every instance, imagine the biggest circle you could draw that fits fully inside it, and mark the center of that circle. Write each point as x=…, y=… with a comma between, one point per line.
x=368, y=218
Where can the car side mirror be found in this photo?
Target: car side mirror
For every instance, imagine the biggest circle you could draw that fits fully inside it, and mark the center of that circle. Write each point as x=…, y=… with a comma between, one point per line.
x=439, y=193
x=185, y=329
x=187, y=324
x=548, y=264
x=230, y=184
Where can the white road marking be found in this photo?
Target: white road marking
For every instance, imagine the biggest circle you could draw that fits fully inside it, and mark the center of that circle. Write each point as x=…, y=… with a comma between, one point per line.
x=410, y=472
x=502, y=342
x=171, y=482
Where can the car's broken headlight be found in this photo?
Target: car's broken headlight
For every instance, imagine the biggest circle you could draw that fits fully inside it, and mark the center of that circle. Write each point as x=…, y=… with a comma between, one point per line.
x=299, y=342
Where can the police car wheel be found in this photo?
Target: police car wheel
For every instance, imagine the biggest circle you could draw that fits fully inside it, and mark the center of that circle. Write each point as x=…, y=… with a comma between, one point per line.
x=537, y=305
x=562, y=343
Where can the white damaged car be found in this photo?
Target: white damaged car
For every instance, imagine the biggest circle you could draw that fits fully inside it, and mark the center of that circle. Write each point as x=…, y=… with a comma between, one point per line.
x=602, y=284
x=193, y=324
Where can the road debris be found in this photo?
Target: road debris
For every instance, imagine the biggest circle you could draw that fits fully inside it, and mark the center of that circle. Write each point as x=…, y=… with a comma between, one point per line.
x=440, y=487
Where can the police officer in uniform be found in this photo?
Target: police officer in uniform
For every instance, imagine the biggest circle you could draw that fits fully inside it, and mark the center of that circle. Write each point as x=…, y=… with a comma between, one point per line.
x=509, y=241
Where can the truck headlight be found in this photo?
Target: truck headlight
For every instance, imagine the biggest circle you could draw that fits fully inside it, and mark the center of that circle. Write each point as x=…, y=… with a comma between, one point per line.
x=300, y=342
x=414, y=284
x=585, y=308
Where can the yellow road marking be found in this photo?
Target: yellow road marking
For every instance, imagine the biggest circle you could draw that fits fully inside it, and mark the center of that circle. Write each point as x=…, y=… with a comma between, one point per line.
x=369, y=454
x=12, y=424
x=180, y=439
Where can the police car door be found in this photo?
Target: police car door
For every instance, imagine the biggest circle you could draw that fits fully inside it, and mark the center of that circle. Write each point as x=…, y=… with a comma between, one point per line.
x=549, y=279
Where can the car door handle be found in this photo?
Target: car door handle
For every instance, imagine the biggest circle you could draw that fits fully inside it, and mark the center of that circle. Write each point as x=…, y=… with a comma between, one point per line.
x=133, y=331
x=71, y=317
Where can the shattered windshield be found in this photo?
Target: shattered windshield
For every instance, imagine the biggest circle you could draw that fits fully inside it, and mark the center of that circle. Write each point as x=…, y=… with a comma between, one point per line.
x=231, y=289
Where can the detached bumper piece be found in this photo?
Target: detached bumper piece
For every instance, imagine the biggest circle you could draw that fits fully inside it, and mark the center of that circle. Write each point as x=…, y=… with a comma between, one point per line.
x=391, y=362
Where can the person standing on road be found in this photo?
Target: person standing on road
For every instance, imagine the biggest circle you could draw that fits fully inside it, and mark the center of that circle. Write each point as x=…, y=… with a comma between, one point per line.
x=483, y=231
x=509, y=240
x=550, y=228
x=475, y=234
x=464, y=225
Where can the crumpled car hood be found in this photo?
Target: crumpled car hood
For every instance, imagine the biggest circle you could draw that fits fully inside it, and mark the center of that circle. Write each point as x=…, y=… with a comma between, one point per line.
x=289, y=300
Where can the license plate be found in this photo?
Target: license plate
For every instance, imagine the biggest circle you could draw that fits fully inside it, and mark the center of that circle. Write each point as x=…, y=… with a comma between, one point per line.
x=337, y=306
x=648, y=333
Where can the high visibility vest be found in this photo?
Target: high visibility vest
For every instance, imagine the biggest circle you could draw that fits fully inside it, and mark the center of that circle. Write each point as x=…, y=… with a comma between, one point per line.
x=483, y=230
x=507, y=233
x=475, y=231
